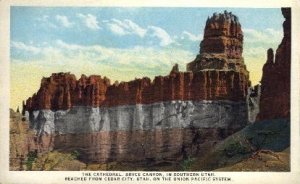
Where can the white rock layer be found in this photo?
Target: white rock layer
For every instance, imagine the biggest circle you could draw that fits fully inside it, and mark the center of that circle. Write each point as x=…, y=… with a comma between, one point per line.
x=161, y=115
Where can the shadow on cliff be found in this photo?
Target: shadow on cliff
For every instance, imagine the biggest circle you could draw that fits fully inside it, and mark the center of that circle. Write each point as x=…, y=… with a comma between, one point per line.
x=267, y=138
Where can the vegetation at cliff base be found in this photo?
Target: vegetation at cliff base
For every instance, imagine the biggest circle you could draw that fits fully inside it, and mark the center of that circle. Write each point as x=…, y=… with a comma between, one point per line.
x=32, y=155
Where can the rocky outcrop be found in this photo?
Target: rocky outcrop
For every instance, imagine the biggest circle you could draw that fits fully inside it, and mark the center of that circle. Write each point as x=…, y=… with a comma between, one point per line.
x=167, y=118
x=253, y=100
x=24, y=140
x=62, y=91
x=263, y=160
x=222, y=45
x=275, y=83
x=271, y=136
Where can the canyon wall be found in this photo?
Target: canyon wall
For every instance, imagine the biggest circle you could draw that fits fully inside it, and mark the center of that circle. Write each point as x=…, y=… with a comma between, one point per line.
x=164, y=119
x=63, y=91
x=161, y=129
x=129, y=117
x=276, y=83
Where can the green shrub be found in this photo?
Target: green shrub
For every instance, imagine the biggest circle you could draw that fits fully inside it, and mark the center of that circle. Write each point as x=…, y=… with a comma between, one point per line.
x=236, y=148
x=75, y=154
x=32, y=155
x=187, y=163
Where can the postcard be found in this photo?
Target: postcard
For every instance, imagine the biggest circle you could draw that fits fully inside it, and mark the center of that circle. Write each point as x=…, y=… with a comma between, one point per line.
x=154, y=92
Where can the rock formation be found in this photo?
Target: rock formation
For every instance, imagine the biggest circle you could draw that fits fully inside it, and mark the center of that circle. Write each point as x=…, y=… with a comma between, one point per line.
x=275, y=83
x=167, y=119
x=23, y=140
x=62, y=91
x=222, y=45
x=253, y=100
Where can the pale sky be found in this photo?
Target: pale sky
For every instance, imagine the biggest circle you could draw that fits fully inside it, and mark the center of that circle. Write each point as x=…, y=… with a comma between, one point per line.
x=123, y=43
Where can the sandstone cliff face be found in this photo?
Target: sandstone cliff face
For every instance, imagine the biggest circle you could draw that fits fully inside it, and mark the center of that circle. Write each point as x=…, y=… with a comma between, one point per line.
x=162, y=115
x=222, y=45
x=62, y=91
x=275, y=83
x=137, y=132
x=155, y=146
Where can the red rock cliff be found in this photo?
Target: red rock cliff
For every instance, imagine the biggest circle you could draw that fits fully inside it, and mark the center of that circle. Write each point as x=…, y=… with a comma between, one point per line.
x=62, y=91
x=275, y=83
x=206, y=85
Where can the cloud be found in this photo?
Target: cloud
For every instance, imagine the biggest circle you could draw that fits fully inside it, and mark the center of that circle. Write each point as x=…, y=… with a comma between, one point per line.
x=25, y=48
x=90, y=21
x=43, y=18
x=64, y=21
x=117, y=29
x=64, y=45
x=262, y=36
x=44, y=21
x=191, y=37
x=161, y=34
x=128, y=27
x=125, y=27
x=140, y=60
x=257, y=42
x=274, y=33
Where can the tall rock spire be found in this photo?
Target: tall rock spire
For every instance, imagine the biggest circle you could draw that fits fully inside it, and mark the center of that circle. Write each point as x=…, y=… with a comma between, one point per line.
x=275, y=82
x=222, y=45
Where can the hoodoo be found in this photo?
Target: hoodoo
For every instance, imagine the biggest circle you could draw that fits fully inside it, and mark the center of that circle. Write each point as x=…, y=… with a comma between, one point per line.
x=222, y=45
x=166, y=119
x=275, y=82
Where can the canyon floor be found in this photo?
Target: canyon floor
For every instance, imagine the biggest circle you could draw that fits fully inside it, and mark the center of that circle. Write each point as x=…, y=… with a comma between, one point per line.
x=262, y=146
